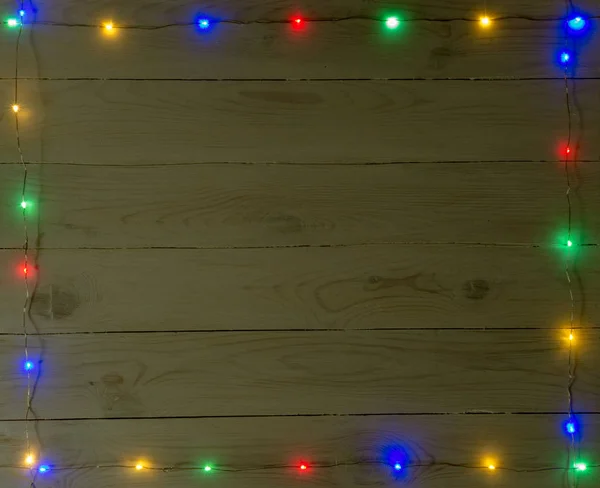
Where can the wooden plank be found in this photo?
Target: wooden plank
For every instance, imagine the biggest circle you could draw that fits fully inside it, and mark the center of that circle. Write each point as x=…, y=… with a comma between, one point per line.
x=520, y=442
x=273, y=373
x=445, y=479
x=169, y=122
x=354, y=49
x=352, y=476
x=368, y=287
x=292, y=205
x=148, y=11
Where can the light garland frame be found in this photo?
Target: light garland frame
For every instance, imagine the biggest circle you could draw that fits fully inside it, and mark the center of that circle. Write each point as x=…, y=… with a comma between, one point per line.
x=575, y=23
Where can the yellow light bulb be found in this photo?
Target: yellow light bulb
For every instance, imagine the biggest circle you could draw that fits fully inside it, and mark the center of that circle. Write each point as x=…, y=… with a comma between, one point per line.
x=571, y=337
x=15, y=108
x=109, y=26
x=139, y=466
x=29, y=460
x=491, y=467
x=485, y=21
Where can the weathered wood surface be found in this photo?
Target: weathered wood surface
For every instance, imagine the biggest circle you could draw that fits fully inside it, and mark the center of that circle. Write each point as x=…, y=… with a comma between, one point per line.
x=292, y=205
x=367, y=287
x=516, y=441
x=137, y=122
x=273, y=373
x=352, y=49
x=149, y=11
x=208, y=371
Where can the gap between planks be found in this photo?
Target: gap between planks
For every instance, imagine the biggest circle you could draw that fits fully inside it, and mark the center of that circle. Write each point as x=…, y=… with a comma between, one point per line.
x=300, y=415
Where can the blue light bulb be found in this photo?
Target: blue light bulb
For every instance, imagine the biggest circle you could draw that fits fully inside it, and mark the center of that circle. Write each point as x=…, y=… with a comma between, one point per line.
x=576, y=23
x=565, y=57
x=44, y=468
x=204, y=24
x=397, y=466
x=571, y=426
x=28, y=366
x=22, y=13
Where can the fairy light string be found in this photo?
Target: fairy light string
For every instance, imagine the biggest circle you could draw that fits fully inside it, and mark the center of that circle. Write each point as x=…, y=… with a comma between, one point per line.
x=29, y=366
x=205, y=21
x=391, y=22
x=303, y=467
x=570, y=154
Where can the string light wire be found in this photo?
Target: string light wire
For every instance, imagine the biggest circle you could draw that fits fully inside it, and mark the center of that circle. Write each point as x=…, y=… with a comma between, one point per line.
x=26, y=261
x=311, y=466
x=570, y=155
x=288, y=21
x=26, y=271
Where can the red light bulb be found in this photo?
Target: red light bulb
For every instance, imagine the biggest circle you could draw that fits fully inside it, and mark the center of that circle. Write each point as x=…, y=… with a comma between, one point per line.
x=26, y=270
x=565, y=150
x=298, y=23
x=303, y=467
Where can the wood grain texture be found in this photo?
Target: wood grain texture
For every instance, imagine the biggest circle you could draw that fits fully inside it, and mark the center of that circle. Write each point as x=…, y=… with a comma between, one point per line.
x=408, y=286
x=169, y=122
x=290, y=205
x=132, y=166
x=148, y=11
x=271, y=373
x=353, y=49
x=522, y=442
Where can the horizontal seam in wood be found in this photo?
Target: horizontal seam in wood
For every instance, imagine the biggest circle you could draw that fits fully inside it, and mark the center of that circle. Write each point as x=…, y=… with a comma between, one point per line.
x=342, y=330
x=301, y=415
x=292, y=163
x=292, y=246
x=303, y=80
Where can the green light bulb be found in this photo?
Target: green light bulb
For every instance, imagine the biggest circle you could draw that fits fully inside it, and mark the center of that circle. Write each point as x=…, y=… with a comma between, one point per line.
x=12, y=22
x=207, y=468
x=23, y=204
x=580, y=466
x=569, y=243
x=392, y=22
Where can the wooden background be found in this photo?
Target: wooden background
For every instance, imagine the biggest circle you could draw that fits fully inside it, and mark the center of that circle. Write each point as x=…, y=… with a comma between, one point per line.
x=257, y=245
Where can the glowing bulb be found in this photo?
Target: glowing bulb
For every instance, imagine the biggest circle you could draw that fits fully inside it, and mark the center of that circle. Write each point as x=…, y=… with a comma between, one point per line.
x=139, y=466
x=569, y=243
x=571, y=337
x=12, y=22
x=392, y=22
x=204, y=24
x=22, y=13
x=109, y=26
x=298, y=21
x=580, y=466
x=29, y=460
x=485, y=21
x=207, y=468
x=44, y=468
x=303, y=467
x=15, y=108
x=576, y=23
x=571, y=427
x=397, y=466
x=25, y=270
x=491, y=467
x=23, y=204
x=28, y=366
x=565, y=57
